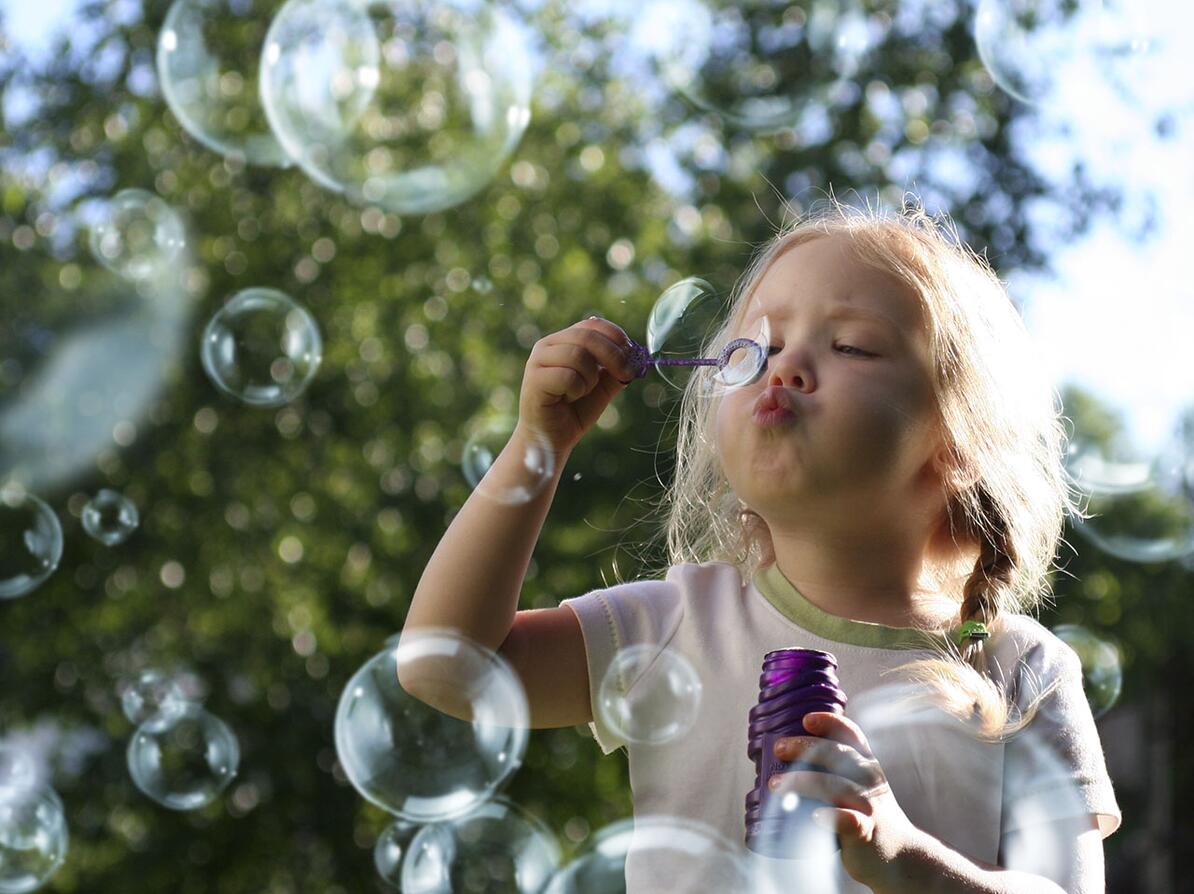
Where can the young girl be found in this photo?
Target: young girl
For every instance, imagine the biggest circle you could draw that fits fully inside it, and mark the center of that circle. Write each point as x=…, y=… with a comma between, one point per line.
x=902, y=514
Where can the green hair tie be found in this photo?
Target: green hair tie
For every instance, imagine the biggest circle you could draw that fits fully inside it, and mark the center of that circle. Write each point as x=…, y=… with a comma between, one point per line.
x=972, y=630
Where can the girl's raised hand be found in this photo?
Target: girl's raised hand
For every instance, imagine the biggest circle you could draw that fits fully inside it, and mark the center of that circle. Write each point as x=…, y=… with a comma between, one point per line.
x=571, y=377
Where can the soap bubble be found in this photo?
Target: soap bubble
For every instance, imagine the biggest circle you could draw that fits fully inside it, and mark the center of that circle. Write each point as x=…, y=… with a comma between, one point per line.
x=207, y=58
x=1140, y=501
x=657, y=853
x=484, y=445
x=681, y=324
x=498, y=847
x=30, y=542
x=650, y=694
x=391, y=849
x=1029, y=46
x=414, y=760
x=83, y=362
x=137, y=235
x=1102, y=666
x=110, y=517
x=262, y=348
x=757, y=65
x=413, y=106
x=186, y=762
x=33, y=838
x=16, y=770
x=152, y=698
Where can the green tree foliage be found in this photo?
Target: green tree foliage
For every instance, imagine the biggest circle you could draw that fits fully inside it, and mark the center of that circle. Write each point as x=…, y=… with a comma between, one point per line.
x=427, y=322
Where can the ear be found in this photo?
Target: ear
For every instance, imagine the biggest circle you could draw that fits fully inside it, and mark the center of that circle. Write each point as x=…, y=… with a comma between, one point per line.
x=958, y=475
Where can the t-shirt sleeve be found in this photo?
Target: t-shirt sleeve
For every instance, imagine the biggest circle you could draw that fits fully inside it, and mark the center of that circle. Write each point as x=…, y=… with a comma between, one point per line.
x=1054, y=769
x=638, y=613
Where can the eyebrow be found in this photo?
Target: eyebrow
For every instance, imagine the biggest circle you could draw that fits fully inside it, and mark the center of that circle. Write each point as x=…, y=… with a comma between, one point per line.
x=842, y=311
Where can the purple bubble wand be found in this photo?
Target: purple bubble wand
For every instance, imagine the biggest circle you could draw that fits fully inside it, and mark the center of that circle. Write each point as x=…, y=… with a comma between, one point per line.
x=641, y=358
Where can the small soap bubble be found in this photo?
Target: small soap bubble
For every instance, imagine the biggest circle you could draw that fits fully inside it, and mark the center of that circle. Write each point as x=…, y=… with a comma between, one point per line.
x=497, y=847
x=657, y=853
x=110, y=517
x=390, y=850
x=30, y=542
x=419, y=762
x=138, y=236
x=1102, y=665
x=262, y=348
x=185, y=763
x=16, y=770
x=152, y=698
x=33, y=838
x=410, y=106
x=650, y=694
x=484, y=446
x=207, y=60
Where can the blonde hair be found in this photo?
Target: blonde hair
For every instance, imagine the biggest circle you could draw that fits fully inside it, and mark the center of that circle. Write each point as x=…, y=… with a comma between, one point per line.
x=1007, y=491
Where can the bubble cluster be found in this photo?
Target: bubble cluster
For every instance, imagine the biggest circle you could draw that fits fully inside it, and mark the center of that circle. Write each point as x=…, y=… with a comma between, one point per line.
x=110, y=517
x=137, y=236
x=152, y=698
x=650, y=694
x=262, y=348
x=410, y=106
x=390, y=851
x=30, y=542
x=445, y=751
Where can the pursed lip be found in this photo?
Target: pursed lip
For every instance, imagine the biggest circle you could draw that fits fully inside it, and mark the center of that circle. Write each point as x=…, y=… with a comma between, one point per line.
x=775, y=397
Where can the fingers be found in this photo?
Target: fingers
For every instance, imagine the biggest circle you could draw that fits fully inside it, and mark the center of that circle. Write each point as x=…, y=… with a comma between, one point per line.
x=572, y=359
x=827, y=787
x=833, y=756
x=838, y=727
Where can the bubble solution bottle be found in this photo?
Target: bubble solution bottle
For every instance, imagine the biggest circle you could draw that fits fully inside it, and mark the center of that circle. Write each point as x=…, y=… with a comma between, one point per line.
x=794, y=682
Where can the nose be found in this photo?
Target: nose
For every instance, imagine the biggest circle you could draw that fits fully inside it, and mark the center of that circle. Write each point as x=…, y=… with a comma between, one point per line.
x=788, y=369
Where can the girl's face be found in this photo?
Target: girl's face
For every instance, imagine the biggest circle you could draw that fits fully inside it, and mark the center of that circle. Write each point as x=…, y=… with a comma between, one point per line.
x=848, y=350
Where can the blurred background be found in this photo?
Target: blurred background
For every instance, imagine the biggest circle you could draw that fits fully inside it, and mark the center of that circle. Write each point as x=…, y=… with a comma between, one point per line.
x=414, y=193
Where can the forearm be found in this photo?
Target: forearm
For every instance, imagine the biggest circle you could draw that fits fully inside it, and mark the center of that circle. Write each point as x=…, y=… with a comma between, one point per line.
x=474, y=578
x=932, y=867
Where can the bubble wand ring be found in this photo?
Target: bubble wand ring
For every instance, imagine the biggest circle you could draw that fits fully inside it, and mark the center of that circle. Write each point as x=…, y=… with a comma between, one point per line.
x=641, y=359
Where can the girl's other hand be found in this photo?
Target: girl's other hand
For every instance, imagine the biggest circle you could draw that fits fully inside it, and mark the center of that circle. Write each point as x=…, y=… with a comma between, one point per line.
x=571, y=377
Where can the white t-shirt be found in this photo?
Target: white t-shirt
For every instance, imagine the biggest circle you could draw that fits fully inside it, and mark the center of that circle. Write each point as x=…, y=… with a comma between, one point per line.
x=964, y=792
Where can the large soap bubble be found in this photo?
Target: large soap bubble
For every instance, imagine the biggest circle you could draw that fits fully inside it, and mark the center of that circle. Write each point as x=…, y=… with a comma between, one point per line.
x=83, y=357
x=110, y=517
x=33, y=837
x=759, y=64
x=498, y=847
x=137, y=235
x=413, y=105
x=207, y=58
x=30, y=542
x=261, y=347
x=658, y=853
x=186, y=762
x=416, y=761
x=650, y=695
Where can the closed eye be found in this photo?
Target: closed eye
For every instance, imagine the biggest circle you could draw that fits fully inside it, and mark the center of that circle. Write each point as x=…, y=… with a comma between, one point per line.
x=849, y=350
